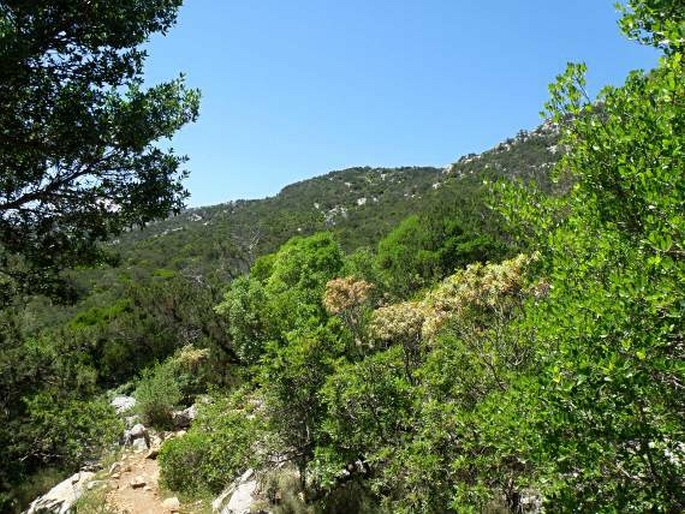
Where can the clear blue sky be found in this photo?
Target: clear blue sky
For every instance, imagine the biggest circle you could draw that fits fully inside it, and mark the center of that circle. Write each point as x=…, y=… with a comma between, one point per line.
x=294, y=89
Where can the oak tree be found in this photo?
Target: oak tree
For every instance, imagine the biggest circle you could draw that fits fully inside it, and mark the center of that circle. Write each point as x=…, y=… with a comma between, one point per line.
x=80, y=134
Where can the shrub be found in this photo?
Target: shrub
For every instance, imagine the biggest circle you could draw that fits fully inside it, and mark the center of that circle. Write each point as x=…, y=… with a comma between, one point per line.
x=69, y=431
x=180, y=378
x=218, y=447
x=157, y=394
x=282, y=489
x=183, y=460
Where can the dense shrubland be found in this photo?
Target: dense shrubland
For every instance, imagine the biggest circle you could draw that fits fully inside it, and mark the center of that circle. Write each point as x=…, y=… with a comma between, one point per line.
x=550, y=378
x=507, y=338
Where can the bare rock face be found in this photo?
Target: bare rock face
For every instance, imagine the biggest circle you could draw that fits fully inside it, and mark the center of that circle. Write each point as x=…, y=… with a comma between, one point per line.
x=61, y=498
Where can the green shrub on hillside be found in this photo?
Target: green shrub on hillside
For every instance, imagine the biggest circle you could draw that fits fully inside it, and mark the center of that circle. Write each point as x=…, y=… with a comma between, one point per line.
x=157, y=394
x=221, y=444
x=67, y=431
x=164, y=386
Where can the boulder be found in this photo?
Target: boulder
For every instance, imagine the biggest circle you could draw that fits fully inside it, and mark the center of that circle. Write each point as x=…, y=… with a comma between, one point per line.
x=139, y=445
x=238, y=498
x=123, y=403
x=137, y=436
x=172, y=504
x=242, y=499
x=61, y=498
x=183, y=418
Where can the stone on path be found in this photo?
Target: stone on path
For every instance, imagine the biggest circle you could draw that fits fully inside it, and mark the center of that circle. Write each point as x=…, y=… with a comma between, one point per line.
x=138, y=482
x=172, y=504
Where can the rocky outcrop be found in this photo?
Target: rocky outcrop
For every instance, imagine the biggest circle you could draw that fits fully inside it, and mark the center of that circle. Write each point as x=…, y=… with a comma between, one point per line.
x=183, y=418
x=123, y=403
x=137, y=436
x=61, y=498
x=239, y=497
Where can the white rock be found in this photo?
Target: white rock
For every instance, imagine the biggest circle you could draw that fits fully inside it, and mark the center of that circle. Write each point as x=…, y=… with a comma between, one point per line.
x=246, y=476
x=238, y=497
x=123, y=403
x=138, y=437
x=138, y=430
x=61, y=498
x=139, y=445
x=172, y=504
x=241, y=499
x=183, y=418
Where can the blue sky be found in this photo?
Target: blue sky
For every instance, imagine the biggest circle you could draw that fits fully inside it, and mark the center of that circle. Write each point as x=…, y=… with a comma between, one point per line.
x=295, y=89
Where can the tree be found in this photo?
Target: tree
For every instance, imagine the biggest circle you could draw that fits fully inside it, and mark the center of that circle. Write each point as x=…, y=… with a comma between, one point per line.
x=659, y=23
x=80, y=158
x=407, y=257
x=610, y=334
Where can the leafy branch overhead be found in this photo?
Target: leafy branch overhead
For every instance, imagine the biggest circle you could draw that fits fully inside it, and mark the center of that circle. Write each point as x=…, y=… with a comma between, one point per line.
x=80, y=153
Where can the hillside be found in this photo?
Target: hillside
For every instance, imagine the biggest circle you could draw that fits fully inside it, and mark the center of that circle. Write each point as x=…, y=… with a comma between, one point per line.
x=359, y=205
x=501, y=335
x=168, y=277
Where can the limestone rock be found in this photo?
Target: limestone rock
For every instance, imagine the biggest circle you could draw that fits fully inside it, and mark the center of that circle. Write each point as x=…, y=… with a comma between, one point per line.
x=238, y=498
x=139, y=445
x=138, y=482
x=172, y=504
x=183, y=418
x=61, y=498
x=123, y=403
x=137, y=436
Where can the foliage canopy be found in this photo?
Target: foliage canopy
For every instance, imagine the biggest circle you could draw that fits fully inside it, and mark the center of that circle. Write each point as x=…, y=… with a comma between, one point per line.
x=79, y=159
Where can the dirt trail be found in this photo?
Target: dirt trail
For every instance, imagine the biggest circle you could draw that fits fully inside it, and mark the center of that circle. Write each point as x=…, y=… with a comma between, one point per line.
x=134, y=487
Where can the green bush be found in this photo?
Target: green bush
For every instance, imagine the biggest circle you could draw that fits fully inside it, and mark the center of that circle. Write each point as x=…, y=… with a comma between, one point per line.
x=182, y=461
x=218, y=447
x=157, y=395
x=69, y=431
